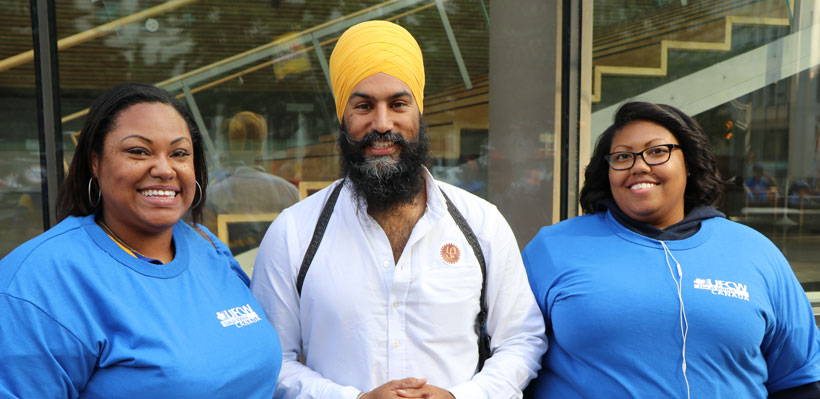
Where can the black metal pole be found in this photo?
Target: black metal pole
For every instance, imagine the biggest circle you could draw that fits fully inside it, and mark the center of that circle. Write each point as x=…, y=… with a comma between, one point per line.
x=44, y=38
x=566, y=62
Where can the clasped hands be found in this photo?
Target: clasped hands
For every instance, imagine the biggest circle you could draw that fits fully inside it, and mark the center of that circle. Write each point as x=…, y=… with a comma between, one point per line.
x=408, y=388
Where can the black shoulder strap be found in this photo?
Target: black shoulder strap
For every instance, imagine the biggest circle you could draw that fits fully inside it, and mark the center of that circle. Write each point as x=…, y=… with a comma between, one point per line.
x=484, y=351
x=318, y=232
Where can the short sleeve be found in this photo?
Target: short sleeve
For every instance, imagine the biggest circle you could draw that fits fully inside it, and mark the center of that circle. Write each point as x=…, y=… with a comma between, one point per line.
x=41, y=358
x=537, y=263
x=792, y=345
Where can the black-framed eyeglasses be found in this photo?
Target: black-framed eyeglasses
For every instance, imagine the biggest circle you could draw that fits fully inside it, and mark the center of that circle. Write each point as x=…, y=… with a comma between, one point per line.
x=655, y=155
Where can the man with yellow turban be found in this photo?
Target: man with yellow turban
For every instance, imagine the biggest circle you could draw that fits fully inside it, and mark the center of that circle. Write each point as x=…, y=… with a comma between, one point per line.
x=416, y=288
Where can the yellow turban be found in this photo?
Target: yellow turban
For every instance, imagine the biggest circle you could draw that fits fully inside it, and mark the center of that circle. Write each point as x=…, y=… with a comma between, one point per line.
x=371, y=47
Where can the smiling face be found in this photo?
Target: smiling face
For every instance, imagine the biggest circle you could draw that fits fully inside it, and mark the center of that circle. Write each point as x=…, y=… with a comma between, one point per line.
x=650, y=194
x=146, y=171
x=382, y=104
x=384, y=144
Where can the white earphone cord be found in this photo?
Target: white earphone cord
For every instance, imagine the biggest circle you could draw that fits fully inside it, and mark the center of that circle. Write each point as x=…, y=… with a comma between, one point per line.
x=684, y=323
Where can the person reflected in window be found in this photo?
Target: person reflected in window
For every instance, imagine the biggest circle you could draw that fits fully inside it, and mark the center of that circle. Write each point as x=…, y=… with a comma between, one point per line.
x=760, y=186
x=653, y=293
x=123, y=299
x=246, y=187
x=800, y=194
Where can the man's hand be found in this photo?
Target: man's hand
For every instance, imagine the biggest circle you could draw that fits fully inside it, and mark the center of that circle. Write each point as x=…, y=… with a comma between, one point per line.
x=427, y=392
x=390, y=389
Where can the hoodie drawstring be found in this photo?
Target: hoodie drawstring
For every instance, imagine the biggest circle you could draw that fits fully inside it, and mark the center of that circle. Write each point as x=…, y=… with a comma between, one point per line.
x=684, y=323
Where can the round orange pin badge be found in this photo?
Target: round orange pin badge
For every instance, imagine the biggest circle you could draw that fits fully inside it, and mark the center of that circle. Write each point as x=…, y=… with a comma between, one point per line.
x=450, y=253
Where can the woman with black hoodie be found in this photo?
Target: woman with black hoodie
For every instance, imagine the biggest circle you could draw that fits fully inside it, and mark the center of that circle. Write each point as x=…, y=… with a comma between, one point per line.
x=654, y=293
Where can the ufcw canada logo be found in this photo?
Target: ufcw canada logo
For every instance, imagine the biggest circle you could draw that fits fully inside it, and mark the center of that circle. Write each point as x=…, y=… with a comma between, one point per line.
x=723, y=288
x=239, y=316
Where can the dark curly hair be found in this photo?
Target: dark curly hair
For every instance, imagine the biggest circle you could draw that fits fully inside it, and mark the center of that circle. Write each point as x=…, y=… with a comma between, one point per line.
x=704, y=185
x=73, y=199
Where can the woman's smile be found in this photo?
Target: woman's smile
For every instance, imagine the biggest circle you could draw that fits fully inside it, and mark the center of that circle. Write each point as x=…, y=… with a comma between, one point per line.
x=146, y=169
x=652, y=194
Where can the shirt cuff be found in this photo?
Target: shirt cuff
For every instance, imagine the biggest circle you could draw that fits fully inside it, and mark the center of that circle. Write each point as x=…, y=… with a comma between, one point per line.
x=349, y=393
x=468, y=390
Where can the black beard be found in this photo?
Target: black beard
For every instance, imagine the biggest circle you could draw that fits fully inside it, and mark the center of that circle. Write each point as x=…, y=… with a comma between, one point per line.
x=383, y=182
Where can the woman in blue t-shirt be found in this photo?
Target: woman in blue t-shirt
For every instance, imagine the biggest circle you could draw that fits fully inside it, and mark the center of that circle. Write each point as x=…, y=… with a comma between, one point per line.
x=653, y=293
x=122, y=298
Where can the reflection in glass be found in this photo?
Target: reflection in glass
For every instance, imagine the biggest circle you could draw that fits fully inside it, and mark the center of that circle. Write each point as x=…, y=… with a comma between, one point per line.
x=269, y=59
x=736, y=66
x=770, y=146
x=21, y=206
x=238, y=186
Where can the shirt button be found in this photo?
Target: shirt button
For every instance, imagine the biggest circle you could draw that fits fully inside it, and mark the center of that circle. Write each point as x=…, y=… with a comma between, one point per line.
x=395, y=305
x=395, y=344
x=386, y=264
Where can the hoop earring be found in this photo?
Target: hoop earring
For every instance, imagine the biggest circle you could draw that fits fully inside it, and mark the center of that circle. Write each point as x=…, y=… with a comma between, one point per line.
x=199, y=188
x=99, y=194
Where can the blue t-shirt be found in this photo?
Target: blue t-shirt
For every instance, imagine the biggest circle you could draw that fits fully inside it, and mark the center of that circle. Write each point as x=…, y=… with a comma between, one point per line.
x=79, y=317
x=613, y=315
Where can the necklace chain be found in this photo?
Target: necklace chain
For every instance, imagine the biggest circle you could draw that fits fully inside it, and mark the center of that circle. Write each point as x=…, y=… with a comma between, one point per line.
x=118, y=239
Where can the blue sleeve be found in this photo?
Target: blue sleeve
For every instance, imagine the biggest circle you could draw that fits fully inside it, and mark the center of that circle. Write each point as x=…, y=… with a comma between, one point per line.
x=225, y=253
x=537, y=263
x=792, y=346
x=40, y=358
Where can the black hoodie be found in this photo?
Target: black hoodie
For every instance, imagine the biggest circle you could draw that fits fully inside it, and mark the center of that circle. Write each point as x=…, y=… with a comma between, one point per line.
x=678, y=231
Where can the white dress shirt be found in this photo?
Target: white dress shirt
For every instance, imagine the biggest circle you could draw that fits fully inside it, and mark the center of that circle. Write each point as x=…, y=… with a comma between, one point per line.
x=364, y=320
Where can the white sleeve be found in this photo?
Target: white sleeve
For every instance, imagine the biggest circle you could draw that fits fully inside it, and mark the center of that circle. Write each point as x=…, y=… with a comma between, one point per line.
x=514, y=320
x=274, y=286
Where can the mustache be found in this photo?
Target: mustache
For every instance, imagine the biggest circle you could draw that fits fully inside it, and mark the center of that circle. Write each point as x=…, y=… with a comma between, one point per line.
x=380, y=183
x=373, y=135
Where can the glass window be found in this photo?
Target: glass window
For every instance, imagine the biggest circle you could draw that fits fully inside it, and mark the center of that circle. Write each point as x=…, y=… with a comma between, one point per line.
x=255, y=76
x=21, y=206
x=748, y=71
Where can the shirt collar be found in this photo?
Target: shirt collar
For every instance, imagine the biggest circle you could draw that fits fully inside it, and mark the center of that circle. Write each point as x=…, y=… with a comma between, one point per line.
x=436, y=205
